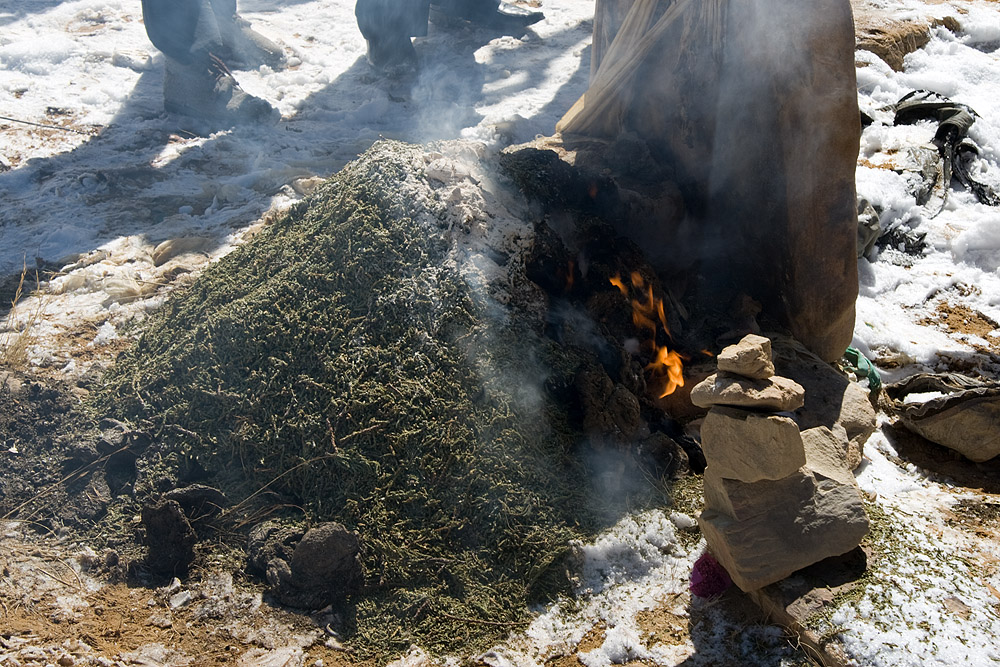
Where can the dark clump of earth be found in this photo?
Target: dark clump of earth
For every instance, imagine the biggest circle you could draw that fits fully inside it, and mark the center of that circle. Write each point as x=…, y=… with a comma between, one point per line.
x=45, y=469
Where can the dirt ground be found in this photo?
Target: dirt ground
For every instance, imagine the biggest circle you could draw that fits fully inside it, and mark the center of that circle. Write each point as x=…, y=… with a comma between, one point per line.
x=62, y=604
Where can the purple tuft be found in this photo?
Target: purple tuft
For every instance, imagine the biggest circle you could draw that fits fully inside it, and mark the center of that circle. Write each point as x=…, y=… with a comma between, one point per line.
x=708, y=577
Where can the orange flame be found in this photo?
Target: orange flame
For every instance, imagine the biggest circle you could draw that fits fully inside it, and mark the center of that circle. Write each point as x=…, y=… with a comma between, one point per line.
x=617, y=282
x=665, y=372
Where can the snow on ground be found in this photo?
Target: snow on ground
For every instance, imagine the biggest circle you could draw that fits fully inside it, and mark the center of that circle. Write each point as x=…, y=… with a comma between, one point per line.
x=931, y=602
x=94, y=203
x=125, y=201
x=962, y=260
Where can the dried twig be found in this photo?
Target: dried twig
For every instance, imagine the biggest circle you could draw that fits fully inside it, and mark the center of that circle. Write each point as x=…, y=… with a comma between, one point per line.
x=52, y=576
x=42, y=125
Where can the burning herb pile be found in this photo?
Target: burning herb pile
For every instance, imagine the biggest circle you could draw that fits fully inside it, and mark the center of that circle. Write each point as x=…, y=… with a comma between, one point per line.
x=339, y=365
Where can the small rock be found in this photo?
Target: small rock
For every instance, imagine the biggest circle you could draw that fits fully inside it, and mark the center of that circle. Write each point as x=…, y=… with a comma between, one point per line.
x=181, y=600
x=76, y=646
x=830, y=453
x=750, y=358
x=161, y=619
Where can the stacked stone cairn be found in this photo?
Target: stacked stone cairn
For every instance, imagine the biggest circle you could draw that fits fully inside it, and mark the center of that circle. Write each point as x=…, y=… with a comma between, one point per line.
x=776, y=499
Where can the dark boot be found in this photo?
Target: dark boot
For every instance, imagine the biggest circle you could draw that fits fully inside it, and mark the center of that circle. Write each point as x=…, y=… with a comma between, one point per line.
x=391, y=53
x=208, y=91
x=504, y=17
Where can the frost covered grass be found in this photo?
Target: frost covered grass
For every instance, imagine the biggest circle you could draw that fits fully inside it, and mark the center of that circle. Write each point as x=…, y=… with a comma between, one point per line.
x=921, y=601
x=927, y=596
x=924, y=604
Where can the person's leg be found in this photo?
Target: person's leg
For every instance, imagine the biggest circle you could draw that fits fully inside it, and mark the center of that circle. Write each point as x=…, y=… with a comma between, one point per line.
x=171, y=26
x=388, y=25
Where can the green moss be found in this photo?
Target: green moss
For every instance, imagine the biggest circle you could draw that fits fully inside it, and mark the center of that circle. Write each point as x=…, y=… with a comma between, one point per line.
x=337, y=364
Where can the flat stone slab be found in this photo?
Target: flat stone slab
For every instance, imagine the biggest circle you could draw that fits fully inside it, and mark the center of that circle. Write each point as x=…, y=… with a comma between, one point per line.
x=776, y=394
x=776, y=528
x=809, y=593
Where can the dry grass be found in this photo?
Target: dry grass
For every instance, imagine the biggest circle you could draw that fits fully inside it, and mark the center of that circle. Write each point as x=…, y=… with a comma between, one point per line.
x=18, y=330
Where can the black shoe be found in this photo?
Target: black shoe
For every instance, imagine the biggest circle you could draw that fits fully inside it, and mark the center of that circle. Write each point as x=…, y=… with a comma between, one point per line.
x=392, y=54
x=507, y=19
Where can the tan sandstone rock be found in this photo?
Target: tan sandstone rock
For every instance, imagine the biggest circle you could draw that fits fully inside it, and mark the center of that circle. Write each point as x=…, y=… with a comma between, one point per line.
x=775, y=528
x=750, y=446
x=751, y=358
x=776, y=394
x=832, y=399
x=833, y=445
